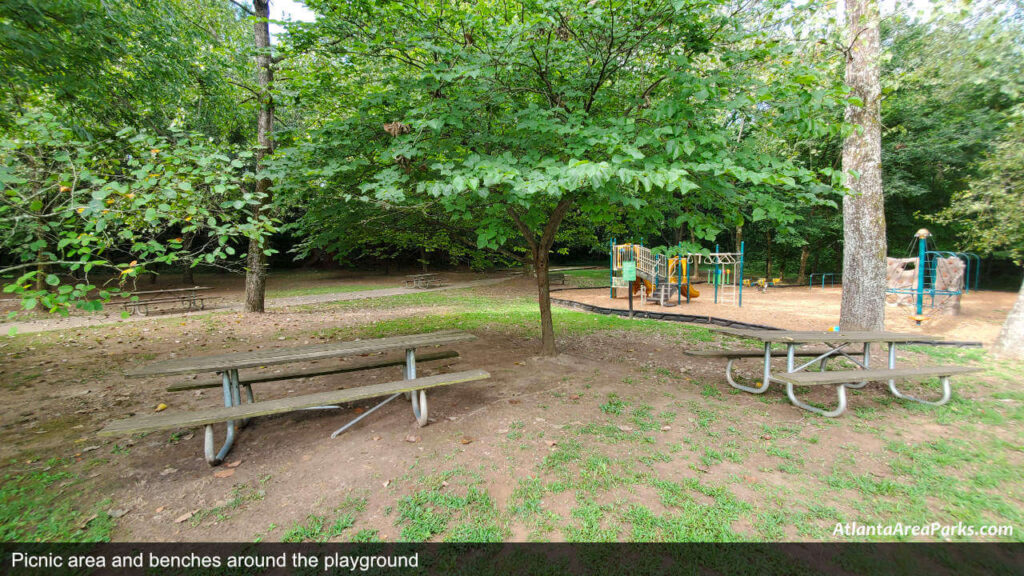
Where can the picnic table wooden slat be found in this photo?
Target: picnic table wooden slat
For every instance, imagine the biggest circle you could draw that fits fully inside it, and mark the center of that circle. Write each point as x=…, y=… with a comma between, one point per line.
x=824, y=336
x=166, y=421
x=272, y=356
x=843, y=376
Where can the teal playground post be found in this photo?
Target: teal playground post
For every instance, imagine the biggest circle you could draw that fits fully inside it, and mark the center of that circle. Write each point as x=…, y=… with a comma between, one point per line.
x=715, y=274
x=922, y=248
x=739, y=281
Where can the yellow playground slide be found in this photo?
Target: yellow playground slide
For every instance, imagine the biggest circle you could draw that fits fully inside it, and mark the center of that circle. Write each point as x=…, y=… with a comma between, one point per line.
x=649, y=288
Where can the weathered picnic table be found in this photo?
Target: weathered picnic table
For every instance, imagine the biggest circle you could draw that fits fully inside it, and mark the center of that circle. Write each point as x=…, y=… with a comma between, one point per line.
x=836, y=344
x=188, y=297
x=423, y=281
x=228, y=365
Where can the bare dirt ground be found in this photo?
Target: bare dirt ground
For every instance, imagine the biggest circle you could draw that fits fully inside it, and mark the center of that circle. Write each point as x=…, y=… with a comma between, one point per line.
x=801, y=308
x=620, y=437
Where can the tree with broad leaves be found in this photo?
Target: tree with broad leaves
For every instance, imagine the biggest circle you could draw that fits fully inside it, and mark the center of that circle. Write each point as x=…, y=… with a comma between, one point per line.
x=990, y=217
x=516, y=115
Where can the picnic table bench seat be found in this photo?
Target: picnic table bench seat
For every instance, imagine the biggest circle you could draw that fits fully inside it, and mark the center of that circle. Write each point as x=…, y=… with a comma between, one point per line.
x=842, y=379
x=556, y=278
x=172, y=421
x=256, y=378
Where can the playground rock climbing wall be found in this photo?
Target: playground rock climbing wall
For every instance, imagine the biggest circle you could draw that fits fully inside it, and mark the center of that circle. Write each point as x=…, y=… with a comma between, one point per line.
x=901, y=273
x=945, y=289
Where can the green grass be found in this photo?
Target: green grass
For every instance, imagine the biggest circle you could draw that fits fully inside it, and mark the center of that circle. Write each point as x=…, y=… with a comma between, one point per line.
x=39, y=506
x=314, y=290
x=323, y=528
x=472, y=517
x=461, y=309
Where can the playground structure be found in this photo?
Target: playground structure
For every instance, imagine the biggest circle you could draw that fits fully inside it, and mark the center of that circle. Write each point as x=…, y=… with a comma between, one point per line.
x=941, y=276
x=659, y=277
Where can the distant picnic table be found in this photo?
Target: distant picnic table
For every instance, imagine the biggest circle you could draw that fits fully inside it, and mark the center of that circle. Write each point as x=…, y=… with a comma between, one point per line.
x=189, y=298
x=423, y=281
x=833, y=344
x=228, y=366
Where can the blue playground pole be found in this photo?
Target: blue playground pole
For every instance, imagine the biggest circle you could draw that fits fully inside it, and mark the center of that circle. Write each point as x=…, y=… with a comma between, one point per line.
x=611, y=268
x=740, y=281
x=921, y=248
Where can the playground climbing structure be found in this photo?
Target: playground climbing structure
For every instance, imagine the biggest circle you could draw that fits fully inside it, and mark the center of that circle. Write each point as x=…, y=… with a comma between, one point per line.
x=938, y=276
x=664, y=280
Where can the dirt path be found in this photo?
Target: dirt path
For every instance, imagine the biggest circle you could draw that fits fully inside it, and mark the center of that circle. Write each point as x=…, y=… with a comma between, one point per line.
x=71, y=322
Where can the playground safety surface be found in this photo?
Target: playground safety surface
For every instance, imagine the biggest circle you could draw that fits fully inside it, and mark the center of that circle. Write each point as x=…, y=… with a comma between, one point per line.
x=802, y=308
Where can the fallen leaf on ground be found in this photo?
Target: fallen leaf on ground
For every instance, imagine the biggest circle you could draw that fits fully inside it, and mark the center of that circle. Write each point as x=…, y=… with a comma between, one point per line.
x=466, y=440
x=375, y=438
x=551, y=443
x=167, y=471
x=224, y=473
x=185, y=516
x=359, y=410
x=574, y=396
x=160, y=407
x=750, y=480
x=160, y=509
x=117, y=513
x=87, y=520
x=766, y=437
x=234, y=464
x=666, y=428
x=386, y=483
x=513, y=401
x=412, y=438
x=625, y=428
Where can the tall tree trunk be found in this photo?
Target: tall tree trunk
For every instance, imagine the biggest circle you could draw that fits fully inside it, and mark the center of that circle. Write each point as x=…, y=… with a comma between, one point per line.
x=541, y=251
x=863, y=303
x=423, y=259
x=256, y=272
x=801, y=276
x=739, y=237
x=768, y=258
x=1011, y=337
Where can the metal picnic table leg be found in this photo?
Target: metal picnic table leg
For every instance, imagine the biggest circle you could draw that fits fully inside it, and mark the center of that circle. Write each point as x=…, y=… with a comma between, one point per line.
x=766, y=379
x=419, y=397
x=840, y=390
x=943, y=380
x=790, y=392
x=866, y=359
x=228, y=379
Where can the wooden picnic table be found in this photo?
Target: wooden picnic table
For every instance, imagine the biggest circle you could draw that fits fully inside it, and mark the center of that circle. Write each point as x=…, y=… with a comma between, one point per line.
x=185, y=296
x=429, y=280
x=837, y=344
x=228, y=365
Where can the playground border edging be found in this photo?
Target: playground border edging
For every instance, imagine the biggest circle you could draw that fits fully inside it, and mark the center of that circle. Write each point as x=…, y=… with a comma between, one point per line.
x=691, y=319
